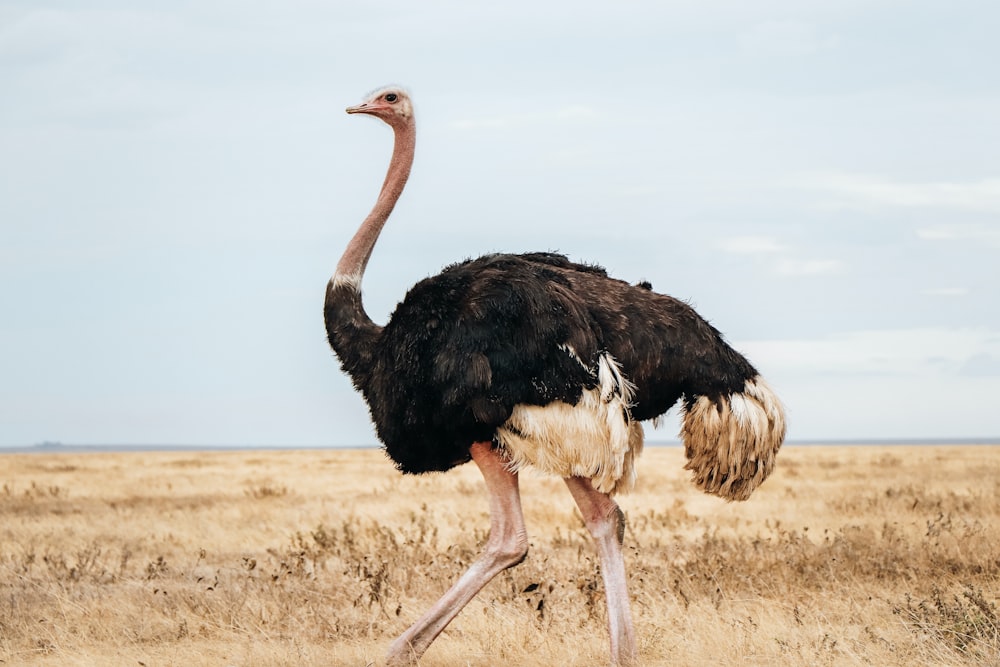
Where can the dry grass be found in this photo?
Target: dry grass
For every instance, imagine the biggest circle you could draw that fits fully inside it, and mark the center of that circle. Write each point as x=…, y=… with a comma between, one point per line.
x=846, y=556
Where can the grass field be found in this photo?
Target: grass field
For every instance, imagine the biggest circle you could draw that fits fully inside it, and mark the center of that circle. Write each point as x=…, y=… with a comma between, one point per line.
x=859, y=555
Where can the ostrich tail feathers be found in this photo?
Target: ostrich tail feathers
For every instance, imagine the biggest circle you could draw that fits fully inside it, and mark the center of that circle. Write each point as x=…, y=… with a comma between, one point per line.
x=731, y=442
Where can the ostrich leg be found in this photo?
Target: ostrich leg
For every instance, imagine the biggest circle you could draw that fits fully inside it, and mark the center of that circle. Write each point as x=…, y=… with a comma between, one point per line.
x=606, y=524
x=507, y=546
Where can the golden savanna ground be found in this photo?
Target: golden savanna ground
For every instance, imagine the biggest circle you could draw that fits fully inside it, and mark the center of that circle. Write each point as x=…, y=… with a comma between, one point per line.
x=847, y=556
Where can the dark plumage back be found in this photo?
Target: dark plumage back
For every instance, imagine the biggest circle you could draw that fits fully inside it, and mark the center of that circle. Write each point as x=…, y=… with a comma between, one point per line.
x=464, y=347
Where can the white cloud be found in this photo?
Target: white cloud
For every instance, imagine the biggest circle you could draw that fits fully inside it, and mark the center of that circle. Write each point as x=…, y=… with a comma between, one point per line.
x=947, y=291
x=912, y=352
x=786, y=38
x=807, y=267
x=981, y=365
x=750, y=245
x=566, y=114
x=982, y=233
x=867, y=189
x=784, y=265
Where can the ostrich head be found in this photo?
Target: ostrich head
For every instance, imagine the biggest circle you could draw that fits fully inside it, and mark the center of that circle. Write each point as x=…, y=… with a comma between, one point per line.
x=391, y=104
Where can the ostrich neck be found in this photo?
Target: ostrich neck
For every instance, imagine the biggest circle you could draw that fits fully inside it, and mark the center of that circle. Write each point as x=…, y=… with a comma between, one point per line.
x=352, y=334
x=352, y=263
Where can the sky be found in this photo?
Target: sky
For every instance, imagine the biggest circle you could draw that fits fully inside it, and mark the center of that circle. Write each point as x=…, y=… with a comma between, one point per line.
x=821, y=180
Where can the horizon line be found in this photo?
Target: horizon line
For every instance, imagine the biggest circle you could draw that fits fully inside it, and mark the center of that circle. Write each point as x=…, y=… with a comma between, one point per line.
x=60, y=447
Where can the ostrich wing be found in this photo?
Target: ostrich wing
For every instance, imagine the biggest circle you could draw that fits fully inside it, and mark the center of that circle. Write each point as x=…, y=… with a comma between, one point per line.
x=464, y=347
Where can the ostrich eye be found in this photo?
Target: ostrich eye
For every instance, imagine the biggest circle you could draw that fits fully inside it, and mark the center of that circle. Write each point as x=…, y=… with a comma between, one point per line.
x=391, y=97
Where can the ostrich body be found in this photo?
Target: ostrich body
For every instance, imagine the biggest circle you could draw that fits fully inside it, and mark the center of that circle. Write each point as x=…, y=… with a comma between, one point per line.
x=517, y=360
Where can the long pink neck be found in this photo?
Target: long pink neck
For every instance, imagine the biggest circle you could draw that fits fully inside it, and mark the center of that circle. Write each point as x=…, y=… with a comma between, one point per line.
x=352, y=263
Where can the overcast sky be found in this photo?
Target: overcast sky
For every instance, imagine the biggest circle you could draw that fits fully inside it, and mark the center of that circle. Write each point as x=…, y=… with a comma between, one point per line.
x=821, y=180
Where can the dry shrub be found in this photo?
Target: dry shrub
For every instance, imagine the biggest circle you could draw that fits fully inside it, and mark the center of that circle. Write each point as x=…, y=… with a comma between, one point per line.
x=966, y=622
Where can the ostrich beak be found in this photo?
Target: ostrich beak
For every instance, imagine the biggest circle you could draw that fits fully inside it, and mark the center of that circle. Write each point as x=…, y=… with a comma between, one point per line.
x=365, y=107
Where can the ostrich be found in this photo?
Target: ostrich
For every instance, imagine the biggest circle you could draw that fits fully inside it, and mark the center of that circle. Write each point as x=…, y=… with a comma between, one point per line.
x=516, y=360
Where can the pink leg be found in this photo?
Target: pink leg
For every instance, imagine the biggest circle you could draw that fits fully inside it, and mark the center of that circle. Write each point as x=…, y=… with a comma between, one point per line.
x=606, y=524
x=507, y=546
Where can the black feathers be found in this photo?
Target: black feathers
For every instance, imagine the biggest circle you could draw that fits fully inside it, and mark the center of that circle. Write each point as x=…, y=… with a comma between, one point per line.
x=464, y=347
